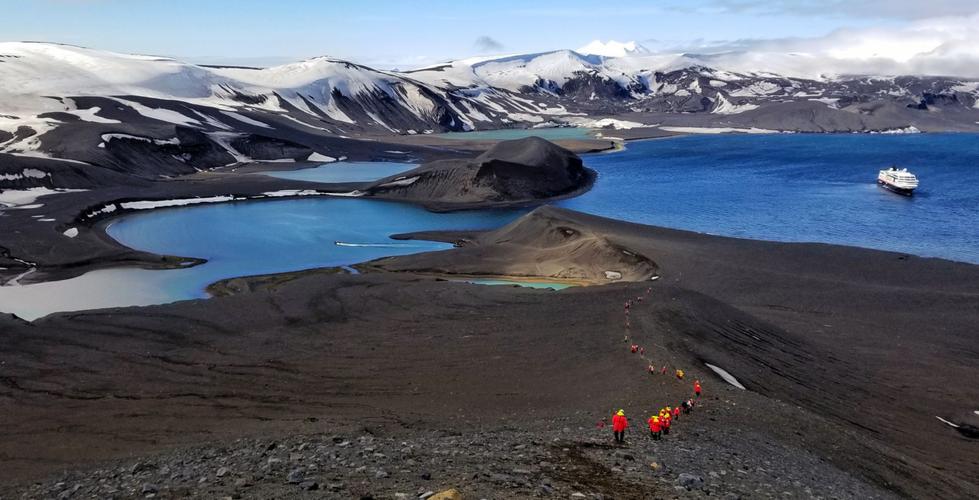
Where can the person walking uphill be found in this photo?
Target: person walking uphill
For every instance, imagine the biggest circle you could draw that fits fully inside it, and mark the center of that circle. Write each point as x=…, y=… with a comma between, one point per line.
x=655, y=427
x=696, y=387
x=619, y=425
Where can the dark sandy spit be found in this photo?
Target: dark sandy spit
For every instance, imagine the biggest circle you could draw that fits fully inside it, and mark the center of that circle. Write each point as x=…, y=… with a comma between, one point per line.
x=848, y=356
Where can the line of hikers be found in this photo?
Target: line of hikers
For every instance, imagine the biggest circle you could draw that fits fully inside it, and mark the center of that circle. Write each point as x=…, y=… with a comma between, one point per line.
x=659, y=424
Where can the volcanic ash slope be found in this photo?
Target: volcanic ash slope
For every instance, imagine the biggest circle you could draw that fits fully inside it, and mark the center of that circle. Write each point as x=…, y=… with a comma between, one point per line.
x=546, y=243
x=510, y=173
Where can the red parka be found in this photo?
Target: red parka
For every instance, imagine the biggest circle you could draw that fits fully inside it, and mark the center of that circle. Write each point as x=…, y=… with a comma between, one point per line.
x=619, y=423
x=654, y=425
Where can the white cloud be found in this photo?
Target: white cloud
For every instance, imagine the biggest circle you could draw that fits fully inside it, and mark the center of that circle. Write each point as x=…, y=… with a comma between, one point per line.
x=936, y=46
x=892, y=9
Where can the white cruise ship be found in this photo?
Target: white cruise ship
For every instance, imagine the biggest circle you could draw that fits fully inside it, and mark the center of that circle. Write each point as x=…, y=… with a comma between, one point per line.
x=897, y=180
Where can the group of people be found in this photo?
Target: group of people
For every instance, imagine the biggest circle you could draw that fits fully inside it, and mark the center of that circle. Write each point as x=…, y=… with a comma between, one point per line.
x=659, y=424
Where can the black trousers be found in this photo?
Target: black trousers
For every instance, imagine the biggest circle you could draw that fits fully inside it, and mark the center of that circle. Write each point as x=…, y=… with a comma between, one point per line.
x=619, y=436
x=655, y=435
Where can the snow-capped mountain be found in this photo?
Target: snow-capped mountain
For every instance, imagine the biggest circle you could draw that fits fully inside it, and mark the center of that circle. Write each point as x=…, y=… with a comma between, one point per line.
x=68, y=109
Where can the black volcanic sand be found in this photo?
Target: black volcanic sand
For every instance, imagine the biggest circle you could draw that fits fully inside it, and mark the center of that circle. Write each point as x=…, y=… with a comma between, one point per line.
x=848, y=355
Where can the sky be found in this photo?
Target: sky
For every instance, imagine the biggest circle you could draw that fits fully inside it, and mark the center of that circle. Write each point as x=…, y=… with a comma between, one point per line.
x=412, y=33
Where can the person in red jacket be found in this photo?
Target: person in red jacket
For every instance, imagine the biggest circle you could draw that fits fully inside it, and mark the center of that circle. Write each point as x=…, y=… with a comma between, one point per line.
x=676, y=413
x=667, y=421
x=655, y=427
x=696, y=387
x=619, y=425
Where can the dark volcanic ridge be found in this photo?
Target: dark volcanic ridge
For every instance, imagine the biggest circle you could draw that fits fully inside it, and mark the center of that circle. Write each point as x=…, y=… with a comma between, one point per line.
x=548, y=243
x=516, y=172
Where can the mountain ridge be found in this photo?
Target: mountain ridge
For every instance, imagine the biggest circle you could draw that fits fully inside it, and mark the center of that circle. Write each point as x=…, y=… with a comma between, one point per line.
x=58, y=101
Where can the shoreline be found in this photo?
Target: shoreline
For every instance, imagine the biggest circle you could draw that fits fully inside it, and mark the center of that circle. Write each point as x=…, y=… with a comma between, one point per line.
x=122, y=256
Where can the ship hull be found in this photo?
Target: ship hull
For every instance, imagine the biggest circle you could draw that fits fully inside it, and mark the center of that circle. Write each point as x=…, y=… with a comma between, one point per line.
x=895, y=189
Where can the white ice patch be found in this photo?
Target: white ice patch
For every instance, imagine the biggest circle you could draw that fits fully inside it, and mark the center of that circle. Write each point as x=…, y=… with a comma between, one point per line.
x=726, y=376
x=606, y=123
x=725, y=107
x=159, y=142
x=71, y=232
x=320, y=158
x=108, y=209
x=719, y=130
x=89, y=114
x=525, y=117
x=27, y=173
x=245, y=119
x=224, y=139
x=351, y=194
x=291, y=192
x=147, y=205
x=757, y=89
x=949, y=423
x=911, y=129
x=161, y=114
x=21, y=197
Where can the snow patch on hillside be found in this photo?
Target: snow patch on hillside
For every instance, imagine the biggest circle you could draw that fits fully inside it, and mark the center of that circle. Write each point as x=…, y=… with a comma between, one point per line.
x=725, y=107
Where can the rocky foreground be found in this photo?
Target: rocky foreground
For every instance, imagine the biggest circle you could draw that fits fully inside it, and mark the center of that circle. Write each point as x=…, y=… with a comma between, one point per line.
x=559, y=459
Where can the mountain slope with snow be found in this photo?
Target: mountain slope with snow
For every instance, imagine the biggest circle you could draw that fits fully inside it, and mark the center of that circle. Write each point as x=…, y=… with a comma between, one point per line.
x=76, y=111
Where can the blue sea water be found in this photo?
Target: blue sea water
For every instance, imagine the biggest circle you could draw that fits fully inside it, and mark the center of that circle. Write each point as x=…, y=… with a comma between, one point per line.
x=287, y=235
x=799, y=187
x=786, y=187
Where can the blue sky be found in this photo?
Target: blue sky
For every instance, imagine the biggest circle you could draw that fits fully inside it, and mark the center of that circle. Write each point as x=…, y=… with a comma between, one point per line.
x=408, y=33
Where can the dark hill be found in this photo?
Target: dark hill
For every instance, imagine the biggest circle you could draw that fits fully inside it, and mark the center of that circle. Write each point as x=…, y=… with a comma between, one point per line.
x=514, y=172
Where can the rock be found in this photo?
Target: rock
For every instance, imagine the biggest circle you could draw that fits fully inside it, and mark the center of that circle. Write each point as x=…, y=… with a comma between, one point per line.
x=452, y=494
x=223, y=471
x=381, y=474
x=149, y=489
x=309, y=485
x=690, y=481
x=334, y=486
x=295, y=476
x=426, y=476
x=613, y=275
x=427, y=494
